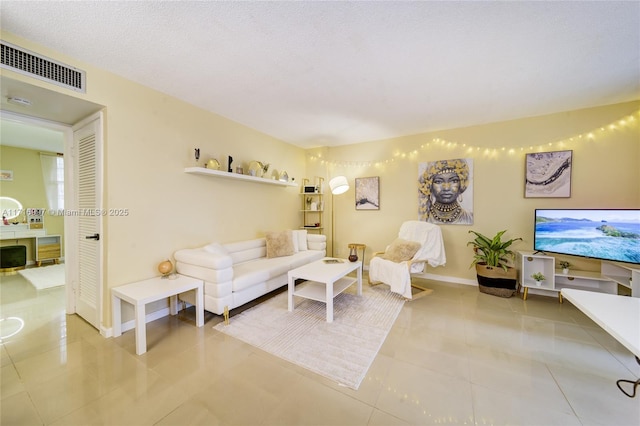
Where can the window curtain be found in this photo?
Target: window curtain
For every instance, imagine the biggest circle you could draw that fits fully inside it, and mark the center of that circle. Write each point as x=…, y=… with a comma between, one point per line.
x=53, y=175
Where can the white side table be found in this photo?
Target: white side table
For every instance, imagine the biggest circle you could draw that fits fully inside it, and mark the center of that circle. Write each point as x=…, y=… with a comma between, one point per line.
x=142, y=292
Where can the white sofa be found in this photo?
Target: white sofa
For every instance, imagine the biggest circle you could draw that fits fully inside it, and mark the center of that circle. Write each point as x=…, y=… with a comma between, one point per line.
x=239, y=272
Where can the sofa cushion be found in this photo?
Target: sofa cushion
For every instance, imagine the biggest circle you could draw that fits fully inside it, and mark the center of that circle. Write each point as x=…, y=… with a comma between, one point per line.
x=243, y=251
x=304, y=257
x=300, y=240
x=205, y=273
x=247, y=274
x=317, y=242
x=279, y=244
x=215, y=248
x=201, y=257
x=401, y=250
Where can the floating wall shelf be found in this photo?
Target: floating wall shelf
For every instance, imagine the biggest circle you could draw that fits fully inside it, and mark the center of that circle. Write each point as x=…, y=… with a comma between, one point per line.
x=236, y=176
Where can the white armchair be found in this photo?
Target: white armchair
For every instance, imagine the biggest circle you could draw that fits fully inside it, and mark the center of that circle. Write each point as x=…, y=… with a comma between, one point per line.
x=418, y=244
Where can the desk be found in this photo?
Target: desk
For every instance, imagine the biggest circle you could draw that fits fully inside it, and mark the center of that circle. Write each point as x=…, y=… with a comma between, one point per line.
x=617, y=315
x=47, y=247
x=142, y=292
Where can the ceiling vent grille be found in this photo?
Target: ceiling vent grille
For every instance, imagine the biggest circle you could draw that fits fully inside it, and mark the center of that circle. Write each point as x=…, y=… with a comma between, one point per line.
x=22, y=61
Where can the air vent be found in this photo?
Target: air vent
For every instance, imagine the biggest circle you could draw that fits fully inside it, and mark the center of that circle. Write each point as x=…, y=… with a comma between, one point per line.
x=22, y=61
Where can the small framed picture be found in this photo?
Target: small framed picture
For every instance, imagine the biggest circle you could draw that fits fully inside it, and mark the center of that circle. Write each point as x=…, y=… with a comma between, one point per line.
x=6, y=174
x=548, y=174
x=368, y=193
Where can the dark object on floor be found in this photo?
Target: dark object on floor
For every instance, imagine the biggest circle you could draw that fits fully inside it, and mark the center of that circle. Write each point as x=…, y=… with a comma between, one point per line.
x=13, y=256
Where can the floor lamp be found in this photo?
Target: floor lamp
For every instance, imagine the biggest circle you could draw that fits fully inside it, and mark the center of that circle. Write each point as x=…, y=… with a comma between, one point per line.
x=339, y=185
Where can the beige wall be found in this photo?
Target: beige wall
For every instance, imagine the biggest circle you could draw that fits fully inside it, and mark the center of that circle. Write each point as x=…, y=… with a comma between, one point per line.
x=150, y=138
x=606, y=174
x=27, y=187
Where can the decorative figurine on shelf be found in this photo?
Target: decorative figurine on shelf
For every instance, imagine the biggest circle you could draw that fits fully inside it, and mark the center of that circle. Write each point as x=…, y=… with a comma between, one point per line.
x=197, y=154
x=229, y=169
x=265, y=167
x=213, y=164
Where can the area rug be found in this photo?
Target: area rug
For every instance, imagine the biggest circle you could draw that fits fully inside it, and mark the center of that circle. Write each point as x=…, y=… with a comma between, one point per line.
x=45, y=277
x=341, y=351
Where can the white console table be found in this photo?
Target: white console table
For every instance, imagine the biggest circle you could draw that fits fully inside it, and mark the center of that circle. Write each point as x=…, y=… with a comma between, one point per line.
x=617, y=315
x=142, y=292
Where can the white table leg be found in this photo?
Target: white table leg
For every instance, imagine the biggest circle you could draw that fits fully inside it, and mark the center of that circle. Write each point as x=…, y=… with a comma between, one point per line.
x=200, y=305
x=359, y=281
x=290, y=290
x=117, y=316
x=329, y=296
x=141, y=329
x=173, y=305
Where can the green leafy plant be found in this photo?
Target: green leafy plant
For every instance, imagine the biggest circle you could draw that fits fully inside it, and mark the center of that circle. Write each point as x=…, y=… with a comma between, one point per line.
x=538, y=276
x=492, y=251
x=564, y=264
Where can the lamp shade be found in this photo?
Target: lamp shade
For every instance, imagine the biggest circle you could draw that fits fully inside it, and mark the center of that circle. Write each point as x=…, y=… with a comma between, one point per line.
x=339, y=185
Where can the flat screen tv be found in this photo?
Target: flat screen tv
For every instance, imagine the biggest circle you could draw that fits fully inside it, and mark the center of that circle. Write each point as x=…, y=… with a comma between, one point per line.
x=610, y=234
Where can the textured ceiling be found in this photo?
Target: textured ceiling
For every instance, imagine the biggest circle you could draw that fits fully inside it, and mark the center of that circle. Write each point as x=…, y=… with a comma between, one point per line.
x=330, y=73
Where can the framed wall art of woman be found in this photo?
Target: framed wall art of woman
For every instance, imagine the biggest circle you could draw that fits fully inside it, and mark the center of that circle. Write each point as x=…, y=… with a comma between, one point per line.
x=445, y=192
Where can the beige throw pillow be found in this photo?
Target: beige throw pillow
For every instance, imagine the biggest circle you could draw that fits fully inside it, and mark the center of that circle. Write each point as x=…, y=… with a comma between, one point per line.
x=401, y=250
x=279, y=244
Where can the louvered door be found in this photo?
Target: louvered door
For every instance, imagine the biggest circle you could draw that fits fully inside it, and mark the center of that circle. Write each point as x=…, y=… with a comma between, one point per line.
x=87, y=143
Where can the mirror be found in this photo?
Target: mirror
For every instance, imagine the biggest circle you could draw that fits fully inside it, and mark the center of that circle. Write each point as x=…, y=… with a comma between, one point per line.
x=10, y=207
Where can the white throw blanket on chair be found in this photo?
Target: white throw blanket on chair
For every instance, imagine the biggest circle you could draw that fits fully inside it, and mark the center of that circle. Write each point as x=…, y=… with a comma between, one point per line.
x=397, y=275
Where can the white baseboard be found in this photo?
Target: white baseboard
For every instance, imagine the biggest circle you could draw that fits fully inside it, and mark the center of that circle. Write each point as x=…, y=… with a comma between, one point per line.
x=130, y=325
x=448, y=279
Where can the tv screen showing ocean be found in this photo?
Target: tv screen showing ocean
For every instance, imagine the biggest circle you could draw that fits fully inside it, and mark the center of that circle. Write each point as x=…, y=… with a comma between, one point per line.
x=579, y=237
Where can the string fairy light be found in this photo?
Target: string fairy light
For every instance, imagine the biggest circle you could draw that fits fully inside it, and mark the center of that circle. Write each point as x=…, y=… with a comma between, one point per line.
x=470, y=149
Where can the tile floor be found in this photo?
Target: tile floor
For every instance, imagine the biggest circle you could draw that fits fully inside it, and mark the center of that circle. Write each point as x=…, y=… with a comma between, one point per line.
x=456, y=357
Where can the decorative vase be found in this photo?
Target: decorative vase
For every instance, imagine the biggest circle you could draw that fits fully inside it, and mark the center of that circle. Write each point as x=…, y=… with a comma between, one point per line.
x=565, y=271
x=353, y=255
x=538, y=283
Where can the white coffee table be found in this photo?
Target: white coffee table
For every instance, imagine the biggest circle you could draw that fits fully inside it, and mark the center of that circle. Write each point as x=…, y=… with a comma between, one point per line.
x=142, y=292
x=324, y=282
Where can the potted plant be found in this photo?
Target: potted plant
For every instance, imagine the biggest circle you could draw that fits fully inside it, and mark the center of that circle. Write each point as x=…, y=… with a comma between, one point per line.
x=565, y=266
x=538, y=277
x=492, y=258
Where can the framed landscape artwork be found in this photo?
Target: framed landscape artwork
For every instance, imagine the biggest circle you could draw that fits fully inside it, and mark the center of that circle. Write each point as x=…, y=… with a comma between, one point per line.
x=368, y=193
x=548, y=174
